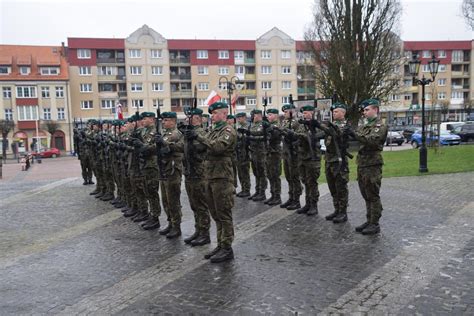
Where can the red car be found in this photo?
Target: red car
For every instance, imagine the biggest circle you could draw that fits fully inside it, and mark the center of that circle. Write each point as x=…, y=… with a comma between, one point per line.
x=48, y=153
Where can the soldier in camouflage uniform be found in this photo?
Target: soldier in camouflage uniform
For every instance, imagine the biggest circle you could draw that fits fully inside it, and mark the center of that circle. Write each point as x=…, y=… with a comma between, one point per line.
x=243, y=162
x=371, y=136
x=220, y=143
x=195, y=182
x=231, y=122
x=273, y=159
x=80, y=140
x=337, y=166
x=104, y=157
x=172, y=145
x=309, y=154
x=290, y=158
x=258, y=152
x=93, y=143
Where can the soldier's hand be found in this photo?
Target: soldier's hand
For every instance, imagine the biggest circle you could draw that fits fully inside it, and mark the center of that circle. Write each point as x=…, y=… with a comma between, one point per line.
x=190, y=134
x=348, y=131
x=137, y=143
x=159, y=139
x=242, y=130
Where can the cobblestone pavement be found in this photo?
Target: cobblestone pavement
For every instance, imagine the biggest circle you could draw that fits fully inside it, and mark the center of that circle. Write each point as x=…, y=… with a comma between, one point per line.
x=63, y=252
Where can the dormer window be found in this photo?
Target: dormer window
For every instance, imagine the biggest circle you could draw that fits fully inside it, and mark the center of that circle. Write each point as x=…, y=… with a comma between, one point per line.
x=5, y=70
x=25, y=70
x=48, y=71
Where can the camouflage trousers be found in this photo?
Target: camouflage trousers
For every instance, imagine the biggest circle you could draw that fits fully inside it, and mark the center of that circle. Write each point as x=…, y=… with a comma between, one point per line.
x=292, y=175
x=220, y=199
x=151, y=190
x=234, y=170
x=309, y=171
x=243, y=171
x=196, y=189
x=370, y=180
x=337, y=179
x=258, y=168
x=170, y=195
x=108, y=178
x=99, y=174
x=86, y=168
x=273, y=166
x=137, y=186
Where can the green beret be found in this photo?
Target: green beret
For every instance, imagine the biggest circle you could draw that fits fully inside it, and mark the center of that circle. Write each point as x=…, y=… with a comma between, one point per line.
x=241, y=114
x=169, y=115
x=307, y=108
x=338, y=105
x=256, y=111
x=147, y=114
x=131, y=119
x=373, y=102
x=195, y=111
x=273, y=111
x=230, y=117
x=287, y=106
x=217, y=105
x=106, y=122
x=205, y=115
x=92, y=122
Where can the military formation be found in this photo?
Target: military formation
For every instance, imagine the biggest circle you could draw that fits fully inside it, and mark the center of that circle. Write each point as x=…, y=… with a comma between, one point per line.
x=139, y=164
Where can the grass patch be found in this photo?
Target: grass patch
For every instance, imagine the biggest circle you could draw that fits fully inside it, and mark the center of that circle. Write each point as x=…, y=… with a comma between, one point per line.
x=406, y=162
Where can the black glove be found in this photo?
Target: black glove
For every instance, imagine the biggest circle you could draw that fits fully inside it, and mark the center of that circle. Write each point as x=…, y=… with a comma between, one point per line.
x=137, y=143
x=190, y=134
x=159, y=139
x=315, y=123
x=242, y=130
x=348, y=131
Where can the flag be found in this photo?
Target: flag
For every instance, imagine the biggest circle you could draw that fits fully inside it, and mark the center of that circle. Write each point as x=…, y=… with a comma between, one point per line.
x=233, y=102
x=118, y=110
x=213, y=97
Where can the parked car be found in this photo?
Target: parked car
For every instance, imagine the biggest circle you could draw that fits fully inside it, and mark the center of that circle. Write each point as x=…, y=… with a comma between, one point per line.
x=394, y=138
x=47, y=153
x=445, y=138
x=408, y=131
x=466, y=132
x=450, y=126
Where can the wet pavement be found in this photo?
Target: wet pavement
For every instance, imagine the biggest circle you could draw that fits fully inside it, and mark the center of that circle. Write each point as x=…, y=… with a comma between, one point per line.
x=64, y=252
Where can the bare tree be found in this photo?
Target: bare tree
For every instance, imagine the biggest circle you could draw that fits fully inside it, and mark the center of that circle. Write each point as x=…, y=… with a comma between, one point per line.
x=467, y=8
x=51, y=127
x=356, y=48
x=5, y=127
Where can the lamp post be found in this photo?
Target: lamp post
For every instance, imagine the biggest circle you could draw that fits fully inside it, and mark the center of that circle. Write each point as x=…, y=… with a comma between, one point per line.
x=414, y=66
x=231, y=84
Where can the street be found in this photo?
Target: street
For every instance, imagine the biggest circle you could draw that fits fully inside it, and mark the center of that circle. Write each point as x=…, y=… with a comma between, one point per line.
x=64, y=252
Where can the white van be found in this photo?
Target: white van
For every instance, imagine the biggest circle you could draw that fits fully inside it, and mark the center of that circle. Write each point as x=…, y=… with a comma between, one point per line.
x=449, y=126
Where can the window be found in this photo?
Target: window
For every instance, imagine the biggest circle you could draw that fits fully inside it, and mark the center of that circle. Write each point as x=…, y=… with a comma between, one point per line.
x=59, y=92
x=49, y=71
x=9, y=114
x=202, y=102
x=395, y=97
x=136, y=87
x=266, y=70
x=61, y=114
x=428, y=96
x=106, y=71
x=251, y=101
x=156, y=53
x=5, y=70
x=203, y=86
x=269, y=100
x=441, y=54
x=457, y=95
x=222, y=86
x=396, y=69
x=46, y=114
x=84, y=53
x=286, y=70
x=157, y=86
x=442, y=68
x=457, y=55
x=107, y=104
x=285, y=54
x=157, y=103
x=27, y=113
x=408, y=83
x=85, y=71
x=45, y=92
x=86, y=105
x=157, y=70
x=266, y=85
x=86, y=87
x=238, y=54
x=426, y=54
x=26, y=92
x=223, y=54
x=223, y=70
x=137, y=103
x=442, y=82
x=426, y=68
x=407, y=97
x=239, y=70
x=441, y=95
x=286, y=84
x=203, y=70
x=135, y=70
x=135, y=53
x=202, y=54
x=7, y=92
x=266, y=54
x=285, y=100
x=25, y=70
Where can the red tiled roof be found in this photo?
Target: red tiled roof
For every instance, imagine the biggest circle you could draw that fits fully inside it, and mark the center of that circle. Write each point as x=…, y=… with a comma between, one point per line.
x=96, y=43
x=436, y=45
x=23, y=60
x=211, y=44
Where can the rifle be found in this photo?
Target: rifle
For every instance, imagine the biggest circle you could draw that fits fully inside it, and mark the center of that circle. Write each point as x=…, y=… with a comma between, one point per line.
x=290, y=139
x=159, y=154
x=190, y=143
x=265, y=121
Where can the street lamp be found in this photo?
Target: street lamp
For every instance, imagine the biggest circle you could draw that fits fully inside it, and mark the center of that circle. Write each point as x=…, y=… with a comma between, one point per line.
x=414, y=67
x=234, y=83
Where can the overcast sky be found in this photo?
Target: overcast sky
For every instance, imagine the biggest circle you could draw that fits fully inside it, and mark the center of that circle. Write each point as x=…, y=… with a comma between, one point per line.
x=50, y=22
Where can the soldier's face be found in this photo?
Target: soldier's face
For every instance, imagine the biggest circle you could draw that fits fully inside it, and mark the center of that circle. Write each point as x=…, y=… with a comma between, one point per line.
x=257, y=117
x=272, y=117
x=338, y=114
x=287, y=114
x=371, y=111
x=307, y=115
x=219, y=115
x=230, y=121
x=197, y=120
x=169, y=122
x=242, y=119
x=147, y=121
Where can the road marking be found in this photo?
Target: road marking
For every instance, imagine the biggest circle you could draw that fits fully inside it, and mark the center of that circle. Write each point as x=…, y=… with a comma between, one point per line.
x=395, y=284
x=150, y=280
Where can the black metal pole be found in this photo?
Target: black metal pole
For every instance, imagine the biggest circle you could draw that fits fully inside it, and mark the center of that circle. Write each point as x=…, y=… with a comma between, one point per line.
x=423, y=151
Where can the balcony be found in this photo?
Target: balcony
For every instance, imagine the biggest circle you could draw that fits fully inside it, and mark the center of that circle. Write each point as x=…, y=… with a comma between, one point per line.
x=176, y=108
x=110, y=60
x=249, y=60
x=182, y=94
x=250, y=77
x=181, y=77
x=306, y=90
x=120, y=77
x=460, y=73
x=412, y=89
x=248, y=92
x=122, y=94
x=180, y=60
x=107, y=77
x=108, y=95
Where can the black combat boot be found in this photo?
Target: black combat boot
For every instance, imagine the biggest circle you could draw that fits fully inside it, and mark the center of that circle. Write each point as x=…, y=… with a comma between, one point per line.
x=303, y=210
x=287, y=203
x=140, y=217
x=151, y=223
x=371, y=229
x=276, y=200
x=243, y=194
x=313, y=210
x=99, y=195
x=96, y=191
x=224, y=254
x=85, y=182
x=253, y=195
x=212, y=253
x=115, y=200
x=340, y=218
x=107, y=197
x=90, y=181
x=269, y=199
x=260, y=197
x=294, y=206
x=360, y=228
x=165, y=230
x=188, y=240
x=174, y=232
x=130, y=213
x=201, y=240
x=331, y=216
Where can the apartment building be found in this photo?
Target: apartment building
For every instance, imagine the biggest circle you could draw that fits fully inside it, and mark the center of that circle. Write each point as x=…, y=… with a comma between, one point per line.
x=34, y=81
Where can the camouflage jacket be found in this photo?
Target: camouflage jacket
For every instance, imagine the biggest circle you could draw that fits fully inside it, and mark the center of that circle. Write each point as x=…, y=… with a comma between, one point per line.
x=290, y=146
x=331, y=141
x=195, y=157
x=307, y=150
x=173, y=150
x=371, y=137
